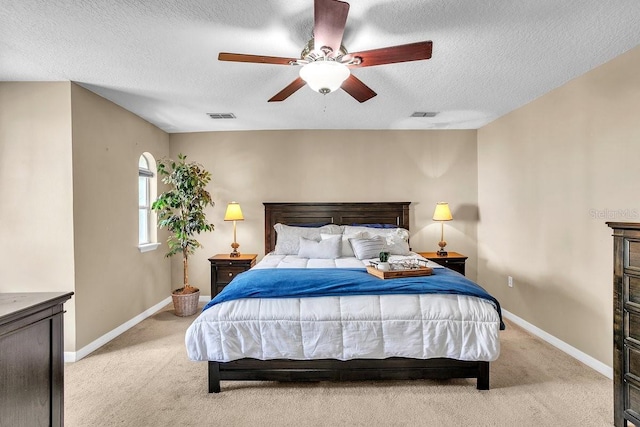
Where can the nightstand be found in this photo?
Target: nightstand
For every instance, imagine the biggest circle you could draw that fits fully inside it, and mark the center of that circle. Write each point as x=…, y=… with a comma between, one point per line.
x=452, y=260
x=224, y=268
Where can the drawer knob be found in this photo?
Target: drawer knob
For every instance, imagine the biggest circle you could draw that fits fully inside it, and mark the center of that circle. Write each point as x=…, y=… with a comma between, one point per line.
x=230, y=274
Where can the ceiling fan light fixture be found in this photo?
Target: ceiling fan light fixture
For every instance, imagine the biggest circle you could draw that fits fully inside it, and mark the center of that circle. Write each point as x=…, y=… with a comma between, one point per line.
x=324, y=76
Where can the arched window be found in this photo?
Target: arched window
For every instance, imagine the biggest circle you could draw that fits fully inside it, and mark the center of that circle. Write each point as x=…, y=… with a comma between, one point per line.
x=147, y=185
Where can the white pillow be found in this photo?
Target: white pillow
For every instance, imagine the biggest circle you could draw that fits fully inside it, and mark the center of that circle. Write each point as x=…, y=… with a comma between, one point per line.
x=396, y=239
x=367, y=248
x=288, y=236
x=346, y=250
x=328, y=248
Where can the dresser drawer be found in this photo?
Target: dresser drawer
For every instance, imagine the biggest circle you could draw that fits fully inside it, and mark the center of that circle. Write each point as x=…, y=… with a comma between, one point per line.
x=633, y=258
x=633, y=398
x=633, y=362
x=227, y=273
x=632, y=289
x=632, y=325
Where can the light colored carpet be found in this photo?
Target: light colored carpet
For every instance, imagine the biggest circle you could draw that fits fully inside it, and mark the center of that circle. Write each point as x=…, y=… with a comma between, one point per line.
x=143, y=378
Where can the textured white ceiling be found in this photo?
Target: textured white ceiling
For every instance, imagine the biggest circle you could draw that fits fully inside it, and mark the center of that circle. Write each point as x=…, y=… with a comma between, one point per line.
x=158, y=58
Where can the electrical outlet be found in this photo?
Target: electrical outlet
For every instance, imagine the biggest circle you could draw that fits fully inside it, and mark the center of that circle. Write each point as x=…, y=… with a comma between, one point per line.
x=510, y=282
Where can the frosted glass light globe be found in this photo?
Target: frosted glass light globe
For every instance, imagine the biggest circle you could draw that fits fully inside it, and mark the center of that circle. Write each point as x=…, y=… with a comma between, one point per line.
x=324, y=76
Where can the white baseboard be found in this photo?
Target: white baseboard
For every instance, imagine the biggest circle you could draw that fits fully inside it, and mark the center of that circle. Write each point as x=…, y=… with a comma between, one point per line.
x=74, y=356
x=595, y=364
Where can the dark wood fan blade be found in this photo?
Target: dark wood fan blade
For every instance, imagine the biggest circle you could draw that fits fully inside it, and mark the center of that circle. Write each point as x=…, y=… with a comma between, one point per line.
x=390, y=55
x=360, y=91
x=330, y=18
x=288, y=91
x=240, y=57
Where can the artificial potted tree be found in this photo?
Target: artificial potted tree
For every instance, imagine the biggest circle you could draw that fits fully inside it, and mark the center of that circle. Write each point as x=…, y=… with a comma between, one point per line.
x=181, y=211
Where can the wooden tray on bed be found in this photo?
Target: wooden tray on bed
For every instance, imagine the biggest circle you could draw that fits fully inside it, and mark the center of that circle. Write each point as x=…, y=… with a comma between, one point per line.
x=396, y=274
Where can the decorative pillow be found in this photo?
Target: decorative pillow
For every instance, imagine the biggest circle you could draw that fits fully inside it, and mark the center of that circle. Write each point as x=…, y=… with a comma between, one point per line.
x=288, y=237
x=345, y=250
x=326, y=249
x=396, y=239
x=367, y=248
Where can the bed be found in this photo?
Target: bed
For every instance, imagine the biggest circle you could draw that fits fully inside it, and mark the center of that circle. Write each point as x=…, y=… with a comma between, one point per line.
x=326, y=339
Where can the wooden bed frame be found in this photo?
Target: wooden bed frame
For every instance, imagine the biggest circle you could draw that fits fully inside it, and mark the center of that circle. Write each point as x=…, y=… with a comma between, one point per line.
x=336, y=370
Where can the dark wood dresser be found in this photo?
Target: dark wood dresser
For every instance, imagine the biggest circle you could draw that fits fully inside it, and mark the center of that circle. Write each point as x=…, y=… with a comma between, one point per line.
x=626, y=322
x=32, y=358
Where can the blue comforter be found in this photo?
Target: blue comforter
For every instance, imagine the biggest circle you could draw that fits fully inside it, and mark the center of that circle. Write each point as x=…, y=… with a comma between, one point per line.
x=318, y=282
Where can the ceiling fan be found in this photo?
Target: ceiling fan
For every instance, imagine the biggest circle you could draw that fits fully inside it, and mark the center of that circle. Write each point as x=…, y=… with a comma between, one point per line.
x=325, y=61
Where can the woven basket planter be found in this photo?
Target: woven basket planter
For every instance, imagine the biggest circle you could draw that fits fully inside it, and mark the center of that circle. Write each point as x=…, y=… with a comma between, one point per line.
x=186, y=305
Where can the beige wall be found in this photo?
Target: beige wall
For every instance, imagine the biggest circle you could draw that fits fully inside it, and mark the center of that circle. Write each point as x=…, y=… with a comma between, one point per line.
x=36, y=192
x=114, y=281
x=550, y=175
x=68, y=211
x=422, y=167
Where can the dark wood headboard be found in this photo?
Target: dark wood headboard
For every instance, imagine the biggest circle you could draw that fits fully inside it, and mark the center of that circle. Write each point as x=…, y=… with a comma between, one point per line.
x=332, y=213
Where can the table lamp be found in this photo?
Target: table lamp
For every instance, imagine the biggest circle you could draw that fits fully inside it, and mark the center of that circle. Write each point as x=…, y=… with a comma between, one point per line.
x=234, y=213
x=442, y=214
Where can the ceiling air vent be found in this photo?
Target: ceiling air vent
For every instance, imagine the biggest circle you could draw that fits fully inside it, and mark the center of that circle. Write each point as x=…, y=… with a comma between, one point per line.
x=221, y=115
x=424, y=114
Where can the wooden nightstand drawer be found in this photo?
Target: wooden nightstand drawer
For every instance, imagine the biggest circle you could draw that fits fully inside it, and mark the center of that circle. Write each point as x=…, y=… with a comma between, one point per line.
x=452, y=260
x=226, y=274
x=224, y=268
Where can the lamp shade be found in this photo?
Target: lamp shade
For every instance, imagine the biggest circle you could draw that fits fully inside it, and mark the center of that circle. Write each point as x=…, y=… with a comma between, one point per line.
x=233, y=213
x=324, y=76
x=442, y=212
